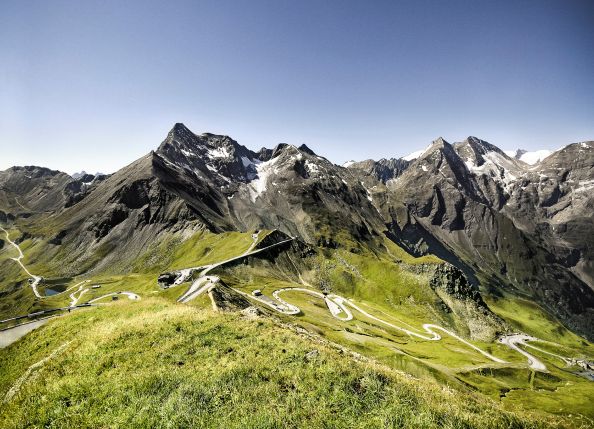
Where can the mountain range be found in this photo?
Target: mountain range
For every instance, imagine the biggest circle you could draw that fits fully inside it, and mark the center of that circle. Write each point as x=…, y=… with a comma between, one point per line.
x=460, y=265
x=510, y=226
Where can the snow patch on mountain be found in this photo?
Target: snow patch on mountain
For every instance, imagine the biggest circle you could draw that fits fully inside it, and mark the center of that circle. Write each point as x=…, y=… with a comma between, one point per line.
x=496, y=166
x=219, y=152
x=529, y=157
x=535, y=156
x=416, y=154
x=187, y=153
x=259, y=184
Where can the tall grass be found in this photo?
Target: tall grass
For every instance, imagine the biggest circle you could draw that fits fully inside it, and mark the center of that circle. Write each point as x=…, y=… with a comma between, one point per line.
x=154, y=364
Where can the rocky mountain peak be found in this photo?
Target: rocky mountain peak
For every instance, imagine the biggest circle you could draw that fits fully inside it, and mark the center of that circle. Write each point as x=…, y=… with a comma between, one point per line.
x=440, y=149
x=180, y=132
x=288, y=148
x=35, y=171
x=304, y=148
x=437, y=150
x=179, y=127
x=439, y=142
x=477, y=153
x=278, y=149
x=180, y=137
x=480, y=146
x=207, y=155
x=383, y=170
x=264, y=154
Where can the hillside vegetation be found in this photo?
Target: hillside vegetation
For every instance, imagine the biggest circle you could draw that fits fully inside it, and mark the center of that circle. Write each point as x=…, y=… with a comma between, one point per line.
x=385, y=281
x=153, y=363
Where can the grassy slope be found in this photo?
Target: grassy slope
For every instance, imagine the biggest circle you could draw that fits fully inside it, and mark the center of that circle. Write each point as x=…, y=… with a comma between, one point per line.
x=156, y=364
x=569, y=394
x=404, y=299
x=172, y=252
x=376, y=283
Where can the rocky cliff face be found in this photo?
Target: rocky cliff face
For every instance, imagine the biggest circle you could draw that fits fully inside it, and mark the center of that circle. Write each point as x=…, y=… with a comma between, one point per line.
x=511, y=225
x=382, y=170
x=464, y=300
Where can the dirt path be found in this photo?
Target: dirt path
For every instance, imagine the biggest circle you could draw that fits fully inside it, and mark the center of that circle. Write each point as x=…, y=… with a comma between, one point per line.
x=36, y=366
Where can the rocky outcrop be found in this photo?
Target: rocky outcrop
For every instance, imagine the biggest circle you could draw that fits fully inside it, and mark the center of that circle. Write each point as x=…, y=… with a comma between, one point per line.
x=464, y=302
x=382, y=170
x=452, y=281
x=226, y=299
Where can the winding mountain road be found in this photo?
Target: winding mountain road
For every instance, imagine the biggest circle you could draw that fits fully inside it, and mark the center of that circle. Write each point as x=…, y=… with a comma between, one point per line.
x=73, y=297
x=200, y=285
x=334, y=303
x=337, y=305
x=36, y=279
x=512, y=341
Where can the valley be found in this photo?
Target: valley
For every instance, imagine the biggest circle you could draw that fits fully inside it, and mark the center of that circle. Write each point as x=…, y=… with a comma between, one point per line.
x=389, y=335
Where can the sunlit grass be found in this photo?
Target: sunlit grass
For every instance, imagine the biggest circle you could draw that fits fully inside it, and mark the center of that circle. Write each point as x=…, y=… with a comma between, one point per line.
x=156, y=364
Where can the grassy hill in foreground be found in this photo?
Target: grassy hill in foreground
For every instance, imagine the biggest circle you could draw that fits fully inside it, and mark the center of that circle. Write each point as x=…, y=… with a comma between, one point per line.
x=157, y=364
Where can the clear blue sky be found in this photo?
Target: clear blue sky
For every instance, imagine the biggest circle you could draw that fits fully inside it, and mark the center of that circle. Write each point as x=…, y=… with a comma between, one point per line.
x=96, y=84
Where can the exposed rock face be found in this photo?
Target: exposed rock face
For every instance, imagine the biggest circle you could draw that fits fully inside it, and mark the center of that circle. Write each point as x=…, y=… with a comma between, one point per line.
x=553, y=201
x=226, y=299
x=25, y=190
x=462, y=299
x=165, y=280
x=80, y=187
x=513, y=226
x=453, y=282
x=382, y=170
